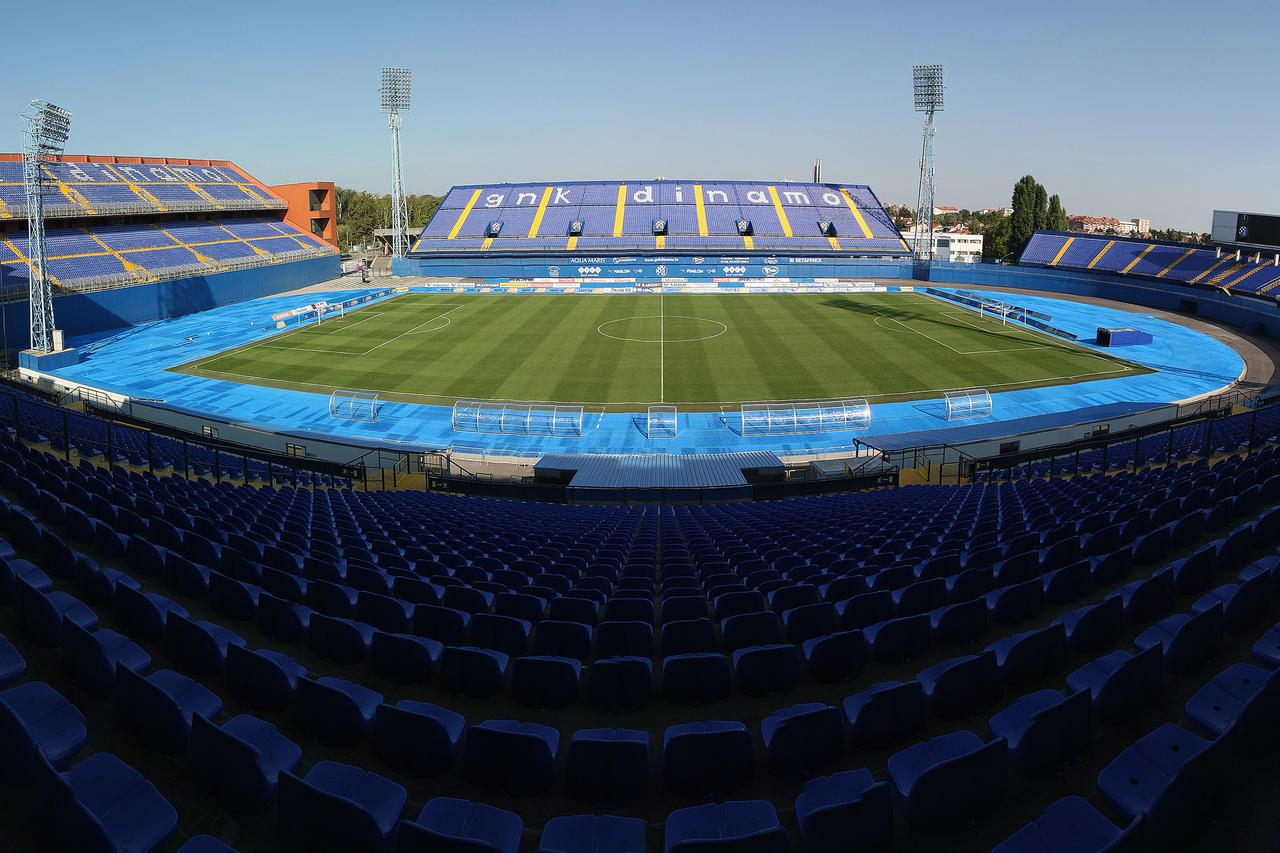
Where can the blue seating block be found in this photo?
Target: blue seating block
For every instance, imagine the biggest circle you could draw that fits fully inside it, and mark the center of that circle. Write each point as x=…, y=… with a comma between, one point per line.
x=847, y=805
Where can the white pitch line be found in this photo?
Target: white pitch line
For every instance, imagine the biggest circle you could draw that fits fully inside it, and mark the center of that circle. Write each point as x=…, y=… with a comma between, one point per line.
x=414, y=329
x=662, y=348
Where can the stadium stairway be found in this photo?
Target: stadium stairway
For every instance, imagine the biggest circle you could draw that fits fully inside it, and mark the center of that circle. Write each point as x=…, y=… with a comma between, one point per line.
x=719, y=621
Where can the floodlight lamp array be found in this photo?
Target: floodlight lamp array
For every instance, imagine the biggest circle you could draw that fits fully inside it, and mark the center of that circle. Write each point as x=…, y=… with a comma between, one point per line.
x=928, y=87
x=395, y=87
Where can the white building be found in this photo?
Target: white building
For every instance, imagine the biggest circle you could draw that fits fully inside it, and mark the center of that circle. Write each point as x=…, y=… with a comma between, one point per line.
x=953, y=248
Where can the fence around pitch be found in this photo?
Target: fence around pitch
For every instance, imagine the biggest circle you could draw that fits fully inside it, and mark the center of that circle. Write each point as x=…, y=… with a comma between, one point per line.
x=795, y=418
x=482, y=416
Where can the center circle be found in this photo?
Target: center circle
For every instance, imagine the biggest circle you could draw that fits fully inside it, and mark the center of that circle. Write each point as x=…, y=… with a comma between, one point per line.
x=662, y=328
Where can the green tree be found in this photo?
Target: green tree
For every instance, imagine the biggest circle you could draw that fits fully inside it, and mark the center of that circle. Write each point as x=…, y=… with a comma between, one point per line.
x=1022, y=224
x=995, y=238
x=1041, y=199
x=360, y=213
x=1057, y=215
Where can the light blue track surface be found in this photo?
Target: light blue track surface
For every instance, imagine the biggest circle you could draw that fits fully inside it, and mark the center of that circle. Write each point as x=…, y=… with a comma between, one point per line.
x=134, y=361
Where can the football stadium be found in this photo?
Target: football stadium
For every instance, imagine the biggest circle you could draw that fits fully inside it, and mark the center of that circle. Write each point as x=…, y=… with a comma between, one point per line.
x=701, y=515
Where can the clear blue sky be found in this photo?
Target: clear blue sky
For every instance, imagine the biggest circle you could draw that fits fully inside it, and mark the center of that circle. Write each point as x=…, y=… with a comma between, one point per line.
x=1164, y=110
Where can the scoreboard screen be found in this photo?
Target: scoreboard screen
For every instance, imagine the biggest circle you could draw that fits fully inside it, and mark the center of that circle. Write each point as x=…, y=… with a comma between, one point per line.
x=1257, y=229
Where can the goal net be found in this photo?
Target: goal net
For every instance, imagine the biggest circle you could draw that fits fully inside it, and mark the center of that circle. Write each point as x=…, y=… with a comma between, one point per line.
x=349, y=405
x=661, y=422
x=967, y=403
x=792, y=418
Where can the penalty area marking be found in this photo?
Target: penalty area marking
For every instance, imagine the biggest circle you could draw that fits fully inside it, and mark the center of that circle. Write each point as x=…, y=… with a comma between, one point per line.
x=661, y=339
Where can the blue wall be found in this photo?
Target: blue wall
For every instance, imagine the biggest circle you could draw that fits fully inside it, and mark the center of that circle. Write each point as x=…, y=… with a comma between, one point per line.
x=82, y=313
x=1253, y=315
x=652, y=268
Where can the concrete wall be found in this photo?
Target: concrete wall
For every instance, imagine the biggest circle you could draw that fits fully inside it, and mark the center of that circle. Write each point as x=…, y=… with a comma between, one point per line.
x=84, y=313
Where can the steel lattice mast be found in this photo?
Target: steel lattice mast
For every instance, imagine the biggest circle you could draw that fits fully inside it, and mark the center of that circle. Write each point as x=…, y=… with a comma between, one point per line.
x=48, y=127
x=394, y=88
x=928, y=98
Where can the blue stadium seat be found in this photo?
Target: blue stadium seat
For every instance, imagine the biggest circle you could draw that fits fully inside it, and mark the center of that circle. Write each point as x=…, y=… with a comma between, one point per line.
x=1187, y=641
x=405, y=658
x=885, y=714
x=12, y=664
x=728, y=827
x=40, y=615
x=450, y=825
x=472, y=671
x=143, y=616
x=1148, y=599
x=542, y=681
x=1032, y=655
x=339, y=807
x=707, y=758
x=620, y=684
x=1121, y=685
x=563, y=639
x=1171, y=779
x=91, y=658
x=802, y=740
x=899, y=640
x=847, y=805
x=697, y=679
x=511, y=757
x=687, y=637
x=1243, y=604
x=198, y=647
x=339, y=640
x=157, y=709
x=958, y=623
x=838, y=656
x=36, y=718
x=263, y=679
x=961, y=687
x=334, y=711
x=444, y=624
x=628, y=639
x=1267, y=649
x=1244, y=696
x=592, y=834
x=417, y=738
x=1071, y=825
x=766, y=670
x=949, y=781
x=239, y=763
x=1045, y=730
x=100, y=803
x=284, y=620
x=1093, y=627
x=607, y=766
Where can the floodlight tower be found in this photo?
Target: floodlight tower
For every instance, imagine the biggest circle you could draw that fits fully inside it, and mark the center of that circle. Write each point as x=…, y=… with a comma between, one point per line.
x=394, y=88
x=928, y=91
x=48, y=127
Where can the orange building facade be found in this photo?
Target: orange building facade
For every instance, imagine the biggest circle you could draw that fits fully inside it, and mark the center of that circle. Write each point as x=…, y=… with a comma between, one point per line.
x=313, y=207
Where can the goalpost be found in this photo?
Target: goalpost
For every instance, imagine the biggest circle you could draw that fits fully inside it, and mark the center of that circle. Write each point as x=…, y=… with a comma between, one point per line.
x=967, y=403
x=323, y=308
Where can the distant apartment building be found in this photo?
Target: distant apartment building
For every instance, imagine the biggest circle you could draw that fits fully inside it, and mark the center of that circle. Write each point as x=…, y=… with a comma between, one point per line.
x=953, y=247
x=1109, y=224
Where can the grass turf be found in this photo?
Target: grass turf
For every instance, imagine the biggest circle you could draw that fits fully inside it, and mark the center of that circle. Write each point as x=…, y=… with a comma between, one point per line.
x=625, y=351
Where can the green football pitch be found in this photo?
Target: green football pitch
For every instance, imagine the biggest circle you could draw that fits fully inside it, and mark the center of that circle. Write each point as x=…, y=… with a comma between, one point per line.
x=626, y=351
